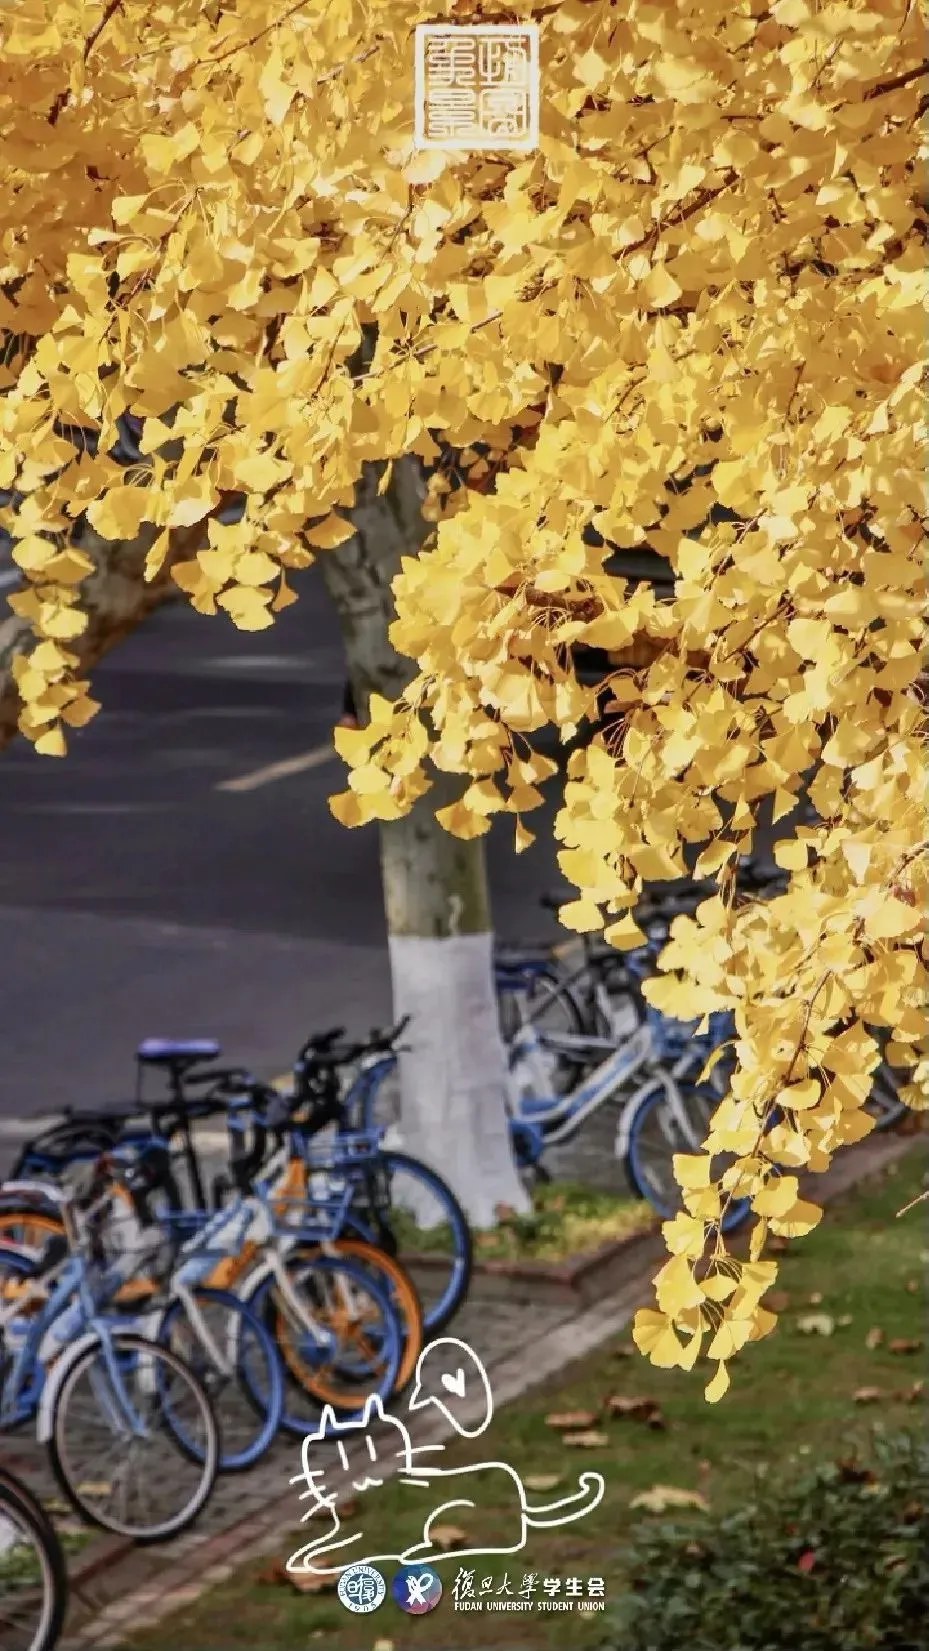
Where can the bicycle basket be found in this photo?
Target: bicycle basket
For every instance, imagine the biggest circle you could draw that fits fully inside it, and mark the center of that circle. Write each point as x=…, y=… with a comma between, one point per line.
x=342, y=1153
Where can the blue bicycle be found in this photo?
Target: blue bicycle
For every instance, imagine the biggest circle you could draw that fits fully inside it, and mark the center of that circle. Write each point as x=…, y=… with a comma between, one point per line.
x=131, y=1434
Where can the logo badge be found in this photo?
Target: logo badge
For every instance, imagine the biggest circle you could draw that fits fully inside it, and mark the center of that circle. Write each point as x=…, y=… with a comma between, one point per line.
x=417, y=1589
x=362, y=1589
x=476, y=86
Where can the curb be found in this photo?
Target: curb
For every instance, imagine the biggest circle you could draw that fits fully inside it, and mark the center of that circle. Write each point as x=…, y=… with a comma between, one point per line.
x=549, y=1355
x=579, y=1281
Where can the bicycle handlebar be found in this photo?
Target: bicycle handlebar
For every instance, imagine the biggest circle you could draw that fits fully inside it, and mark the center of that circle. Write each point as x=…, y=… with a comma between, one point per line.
x=322, y=1052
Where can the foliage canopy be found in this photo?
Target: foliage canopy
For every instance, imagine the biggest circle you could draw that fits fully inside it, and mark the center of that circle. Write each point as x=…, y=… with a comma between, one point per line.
x=705, y=289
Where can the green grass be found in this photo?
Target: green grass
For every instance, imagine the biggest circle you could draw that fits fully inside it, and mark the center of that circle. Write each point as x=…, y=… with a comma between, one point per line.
x=791, y=1401
x=567, y=1219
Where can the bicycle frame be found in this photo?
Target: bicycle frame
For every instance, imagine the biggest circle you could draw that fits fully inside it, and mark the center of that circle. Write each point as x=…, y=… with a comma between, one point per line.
x=559, y=1121
x=27, y=1391
x=584, y=982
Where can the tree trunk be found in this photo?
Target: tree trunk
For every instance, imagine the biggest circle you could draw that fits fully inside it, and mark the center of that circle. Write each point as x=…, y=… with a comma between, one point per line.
x=115, y=598
x=454, y=1075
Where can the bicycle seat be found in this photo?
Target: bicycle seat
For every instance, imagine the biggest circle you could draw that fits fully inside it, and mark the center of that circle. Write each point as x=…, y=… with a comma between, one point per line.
x=177, y=1055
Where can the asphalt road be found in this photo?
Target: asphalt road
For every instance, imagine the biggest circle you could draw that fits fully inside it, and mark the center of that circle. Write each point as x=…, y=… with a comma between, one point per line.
x=138, y=897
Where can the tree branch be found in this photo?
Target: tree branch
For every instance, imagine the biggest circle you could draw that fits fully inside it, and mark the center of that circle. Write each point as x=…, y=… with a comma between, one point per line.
x=895, y=84
x=89, y=44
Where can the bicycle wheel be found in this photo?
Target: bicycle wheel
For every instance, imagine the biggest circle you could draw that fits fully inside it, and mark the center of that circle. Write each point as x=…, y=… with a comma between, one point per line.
x=28, y=1227
x=245, y=1383
x=33, y=1574
x=120, y=1446
x=655, y=1135
x=408, y=1210
x=391, y=1276
x=700, y=1103
x=537, y=995
x=351, y=1348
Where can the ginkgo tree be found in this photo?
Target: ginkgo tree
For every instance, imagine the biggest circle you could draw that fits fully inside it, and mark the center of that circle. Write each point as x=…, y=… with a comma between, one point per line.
x=705, y=287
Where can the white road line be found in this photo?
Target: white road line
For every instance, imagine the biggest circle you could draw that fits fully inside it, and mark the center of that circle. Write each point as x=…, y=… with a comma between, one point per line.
x=279, y=770
x=22, y=1129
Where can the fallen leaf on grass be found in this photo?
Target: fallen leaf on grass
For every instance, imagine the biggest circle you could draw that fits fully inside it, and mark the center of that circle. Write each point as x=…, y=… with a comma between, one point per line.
x=383, y=1645
x=635, y=1405
x=542, y=1481
x=815, y=1297
x=867, y=1395
x=816, y=1324
x=586, y=1441
x=912, y=1285
x=448, y=1537
x=272, y=1575
x=347, y=1510
x=874, y=1337
x=853, y=1473
x=904, y=1344
x=909, y=1395
x=844, y=1321
x=661, y=1497
x=569, y=1420
x=806, y=1561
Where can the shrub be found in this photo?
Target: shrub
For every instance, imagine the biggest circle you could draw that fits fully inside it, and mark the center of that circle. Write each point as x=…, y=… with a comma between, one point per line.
x=837, y=1560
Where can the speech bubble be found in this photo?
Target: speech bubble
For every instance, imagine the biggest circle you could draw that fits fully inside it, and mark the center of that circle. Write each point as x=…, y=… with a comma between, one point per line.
x=468, y=1382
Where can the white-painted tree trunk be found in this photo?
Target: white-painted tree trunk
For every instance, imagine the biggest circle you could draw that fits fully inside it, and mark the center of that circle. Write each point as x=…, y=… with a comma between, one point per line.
x=453, y=1078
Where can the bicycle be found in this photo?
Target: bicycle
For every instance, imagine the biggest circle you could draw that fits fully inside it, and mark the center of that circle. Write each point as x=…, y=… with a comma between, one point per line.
x=100, y=1397
x=219, y=1338
x=399, y=1204
x=400, y=1207
x=33, y=1573
x=273, y=1263
x=600, y=994
x=319, y=1255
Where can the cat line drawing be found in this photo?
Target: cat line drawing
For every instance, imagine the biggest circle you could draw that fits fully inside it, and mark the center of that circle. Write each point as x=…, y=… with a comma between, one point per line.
x=435, y=1494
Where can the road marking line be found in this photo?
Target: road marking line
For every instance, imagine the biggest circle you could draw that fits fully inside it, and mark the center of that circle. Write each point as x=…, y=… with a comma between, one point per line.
x=280, y=770
x=22, y=1129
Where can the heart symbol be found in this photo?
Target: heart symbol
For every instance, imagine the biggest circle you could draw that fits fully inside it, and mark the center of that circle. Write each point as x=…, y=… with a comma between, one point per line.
x=455, y=1384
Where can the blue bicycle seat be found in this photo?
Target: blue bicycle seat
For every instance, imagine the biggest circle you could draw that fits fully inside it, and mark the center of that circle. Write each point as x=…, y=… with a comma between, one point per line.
x=177, y=1051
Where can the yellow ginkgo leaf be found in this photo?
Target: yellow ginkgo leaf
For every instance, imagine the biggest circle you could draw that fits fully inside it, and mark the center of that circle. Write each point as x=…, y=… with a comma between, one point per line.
x=718, y=1386
x=659, y=289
